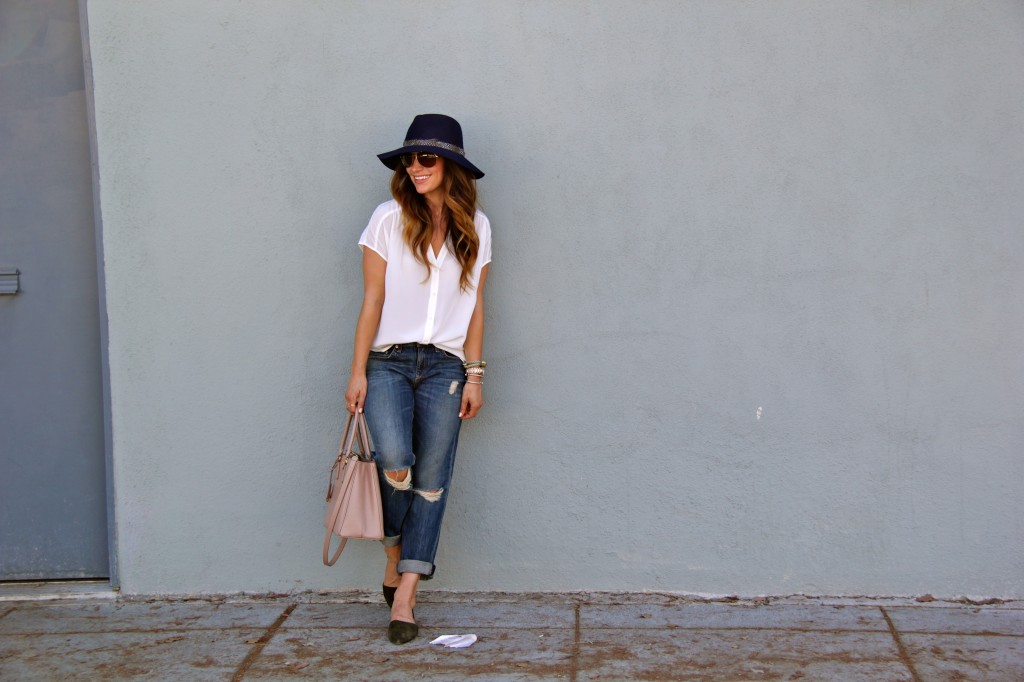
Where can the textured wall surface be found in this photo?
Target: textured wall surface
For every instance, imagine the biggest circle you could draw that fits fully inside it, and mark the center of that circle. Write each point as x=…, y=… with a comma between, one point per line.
x=755, y=316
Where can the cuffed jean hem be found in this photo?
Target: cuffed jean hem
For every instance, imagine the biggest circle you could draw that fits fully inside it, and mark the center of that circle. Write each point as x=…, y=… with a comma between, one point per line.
x=424, y=568
x=393, y=541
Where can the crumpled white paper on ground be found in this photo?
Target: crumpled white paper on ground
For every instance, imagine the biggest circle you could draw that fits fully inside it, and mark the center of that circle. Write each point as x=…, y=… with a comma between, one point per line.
x=455, y=641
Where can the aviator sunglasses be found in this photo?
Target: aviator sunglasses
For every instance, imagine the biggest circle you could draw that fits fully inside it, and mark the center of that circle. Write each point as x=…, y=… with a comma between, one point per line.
x=427, y=160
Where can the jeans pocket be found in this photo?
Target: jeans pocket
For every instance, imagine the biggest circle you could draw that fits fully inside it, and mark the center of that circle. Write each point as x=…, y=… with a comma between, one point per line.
x=384, y=354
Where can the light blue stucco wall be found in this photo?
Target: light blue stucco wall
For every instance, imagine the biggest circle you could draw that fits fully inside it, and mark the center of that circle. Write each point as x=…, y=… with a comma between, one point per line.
x=754, y=320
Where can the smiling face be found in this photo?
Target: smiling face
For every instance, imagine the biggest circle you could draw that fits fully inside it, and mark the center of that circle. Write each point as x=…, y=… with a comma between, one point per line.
x=427, y=181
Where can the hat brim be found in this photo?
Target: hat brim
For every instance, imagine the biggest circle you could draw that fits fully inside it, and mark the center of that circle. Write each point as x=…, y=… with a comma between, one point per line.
x=392, y=159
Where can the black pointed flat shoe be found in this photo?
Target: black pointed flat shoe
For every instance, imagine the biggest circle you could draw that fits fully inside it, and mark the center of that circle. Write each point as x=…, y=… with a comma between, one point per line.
x=401, y=632
x=389, y=595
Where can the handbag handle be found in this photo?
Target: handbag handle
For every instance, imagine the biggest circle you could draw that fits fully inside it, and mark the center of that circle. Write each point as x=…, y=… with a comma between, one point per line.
x=362, y=432
x=365, y=444
x=357, y=420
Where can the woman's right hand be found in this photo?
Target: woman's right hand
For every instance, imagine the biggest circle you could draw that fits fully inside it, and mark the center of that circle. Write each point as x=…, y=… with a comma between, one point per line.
x=355, y=394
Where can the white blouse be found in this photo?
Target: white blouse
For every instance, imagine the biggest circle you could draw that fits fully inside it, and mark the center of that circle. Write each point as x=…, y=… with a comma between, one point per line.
x=419, y=308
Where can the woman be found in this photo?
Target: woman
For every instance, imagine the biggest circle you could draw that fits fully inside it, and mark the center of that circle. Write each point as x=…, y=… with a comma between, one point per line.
x=417, y=364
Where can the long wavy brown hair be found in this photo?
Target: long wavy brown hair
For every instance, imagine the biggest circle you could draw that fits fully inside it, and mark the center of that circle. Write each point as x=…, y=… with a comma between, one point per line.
x=459, y=210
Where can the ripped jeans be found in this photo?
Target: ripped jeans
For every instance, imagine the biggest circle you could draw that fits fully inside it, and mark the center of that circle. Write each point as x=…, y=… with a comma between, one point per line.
x=413, y=397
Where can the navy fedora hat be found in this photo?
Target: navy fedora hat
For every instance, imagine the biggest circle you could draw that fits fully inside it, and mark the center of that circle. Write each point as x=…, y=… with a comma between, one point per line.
x=436, y=133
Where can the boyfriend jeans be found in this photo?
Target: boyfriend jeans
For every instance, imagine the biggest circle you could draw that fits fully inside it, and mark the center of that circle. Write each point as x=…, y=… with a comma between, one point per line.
x=413, y=397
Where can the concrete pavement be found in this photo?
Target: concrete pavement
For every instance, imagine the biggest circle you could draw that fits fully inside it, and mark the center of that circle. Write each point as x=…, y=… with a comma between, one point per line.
x=597, y=636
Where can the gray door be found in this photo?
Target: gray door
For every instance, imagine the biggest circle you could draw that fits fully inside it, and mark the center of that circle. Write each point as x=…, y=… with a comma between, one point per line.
x=53, y=510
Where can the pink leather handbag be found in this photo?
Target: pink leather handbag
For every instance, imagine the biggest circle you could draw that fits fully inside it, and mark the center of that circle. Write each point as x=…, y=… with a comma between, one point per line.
x=353, y=492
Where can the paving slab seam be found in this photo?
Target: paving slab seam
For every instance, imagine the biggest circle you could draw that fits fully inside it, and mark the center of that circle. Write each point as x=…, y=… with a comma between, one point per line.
x=261, y=643
x=904, y=655
x=456, y=626
x=575, y=658
x=673, y=628
x=739, y=628
x=125, y=631
x=953, y=633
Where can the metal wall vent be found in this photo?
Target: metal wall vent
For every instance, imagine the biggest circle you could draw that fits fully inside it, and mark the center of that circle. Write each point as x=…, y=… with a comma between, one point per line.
x=9, y=281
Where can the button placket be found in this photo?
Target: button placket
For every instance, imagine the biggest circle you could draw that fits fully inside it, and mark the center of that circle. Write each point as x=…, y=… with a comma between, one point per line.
x=428, y=327
x=435, y=285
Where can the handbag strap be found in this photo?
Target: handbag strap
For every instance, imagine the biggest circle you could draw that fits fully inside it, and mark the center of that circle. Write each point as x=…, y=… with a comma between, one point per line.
x=327, y=546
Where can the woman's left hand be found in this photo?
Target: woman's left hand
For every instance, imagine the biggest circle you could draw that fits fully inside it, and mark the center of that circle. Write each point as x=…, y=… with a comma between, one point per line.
x=472, y=400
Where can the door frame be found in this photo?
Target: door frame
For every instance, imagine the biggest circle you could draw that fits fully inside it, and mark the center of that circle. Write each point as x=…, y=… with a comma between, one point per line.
x=101, y=285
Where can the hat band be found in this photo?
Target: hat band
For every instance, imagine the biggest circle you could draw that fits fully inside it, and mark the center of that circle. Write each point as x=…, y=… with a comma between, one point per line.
x=435, y=143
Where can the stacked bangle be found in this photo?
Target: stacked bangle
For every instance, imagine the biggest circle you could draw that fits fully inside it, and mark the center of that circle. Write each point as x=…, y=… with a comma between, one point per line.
x=475, y=368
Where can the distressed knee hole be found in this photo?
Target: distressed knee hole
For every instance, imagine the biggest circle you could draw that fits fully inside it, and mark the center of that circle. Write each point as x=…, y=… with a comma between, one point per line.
x=430, y=495
x=399, y=480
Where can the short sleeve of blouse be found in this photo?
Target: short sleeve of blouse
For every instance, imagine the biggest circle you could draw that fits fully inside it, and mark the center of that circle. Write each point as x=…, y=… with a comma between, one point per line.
x=483, y=230
x=377, y=234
